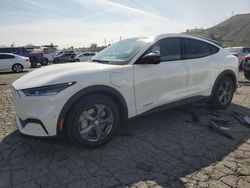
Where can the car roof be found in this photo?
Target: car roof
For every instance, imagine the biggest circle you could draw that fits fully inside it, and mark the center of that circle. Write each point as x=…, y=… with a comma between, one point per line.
x=204, y=39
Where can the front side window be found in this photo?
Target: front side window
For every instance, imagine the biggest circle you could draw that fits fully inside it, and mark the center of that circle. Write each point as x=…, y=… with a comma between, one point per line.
x=196, y=49
x=169, y=49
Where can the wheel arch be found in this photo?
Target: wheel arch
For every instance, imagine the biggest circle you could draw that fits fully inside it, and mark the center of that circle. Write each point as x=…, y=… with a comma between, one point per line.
x=110, y=92
x=12, y=68
x=228, y=73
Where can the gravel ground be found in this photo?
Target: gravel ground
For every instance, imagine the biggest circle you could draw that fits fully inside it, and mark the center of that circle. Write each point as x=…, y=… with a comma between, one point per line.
x=173, y=148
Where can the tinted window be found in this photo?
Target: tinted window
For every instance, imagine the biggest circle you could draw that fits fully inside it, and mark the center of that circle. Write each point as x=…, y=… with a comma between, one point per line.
x=4, y=56
x=196, y=48
x=246, y=50
x=6, y=50
x=169, y=49
x=213, y=49
x=66, y=55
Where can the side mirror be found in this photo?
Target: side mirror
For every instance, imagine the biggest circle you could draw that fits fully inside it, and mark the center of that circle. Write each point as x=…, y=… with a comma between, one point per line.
x=151, y=58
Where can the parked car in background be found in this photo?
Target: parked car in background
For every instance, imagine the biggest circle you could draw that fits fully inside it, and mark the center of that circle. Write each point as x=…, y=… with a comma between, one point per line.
x=246, y=58
x=49, y=52
x=35, y=57
x=88, y=101
x=85, y=56
x=64, y=58
x=246, y=66
x=13, y=62
x=239, y=52
x=65, y=52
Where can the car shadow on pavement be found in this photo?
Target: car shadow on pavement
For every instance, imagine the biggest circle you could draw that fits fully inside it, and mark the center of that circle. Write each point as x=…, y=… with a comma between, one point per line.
x=160, y=149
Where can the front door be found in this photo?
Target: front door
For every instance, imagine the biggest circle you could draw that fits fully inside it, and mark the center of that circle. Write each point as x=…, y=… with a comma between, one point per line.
x=163, y=83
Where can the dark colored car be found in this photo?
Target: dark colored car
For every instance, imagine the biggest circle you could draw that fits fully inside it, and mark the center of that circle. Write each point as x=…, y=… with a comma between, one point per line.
x=64, y=58
x=35, y=57
x=246, y=66
x=246, y=58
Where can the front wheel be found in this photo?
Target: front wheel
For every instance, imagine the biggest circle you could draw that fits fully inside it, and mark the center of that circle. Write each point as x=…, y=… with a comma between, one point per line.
x=93, y=121
x=223, y=93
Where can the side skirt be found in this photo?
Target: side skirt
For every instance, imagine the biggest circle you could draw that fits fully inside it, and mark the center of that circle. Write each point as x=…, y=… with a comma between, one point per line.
x=183, y=102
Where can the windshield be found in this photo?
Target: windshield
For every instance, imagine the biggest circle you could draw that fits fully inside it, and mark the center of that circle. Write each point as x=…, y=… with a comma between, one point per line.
x=121, y=52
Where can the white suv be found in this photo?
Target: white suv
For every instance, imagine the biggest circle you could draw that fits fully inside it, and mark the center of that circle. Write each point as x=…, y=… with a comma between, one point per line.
x=88, y=101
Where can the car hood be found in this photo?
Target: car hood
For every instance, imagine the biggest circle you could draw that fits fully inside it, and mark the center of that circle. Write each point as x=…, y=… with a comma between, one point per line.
x=61, y=73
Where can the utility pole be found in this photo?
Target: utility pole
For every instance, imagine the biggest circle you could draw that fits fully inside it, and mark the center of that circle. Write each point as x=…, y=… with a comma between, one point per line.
x=105, y=41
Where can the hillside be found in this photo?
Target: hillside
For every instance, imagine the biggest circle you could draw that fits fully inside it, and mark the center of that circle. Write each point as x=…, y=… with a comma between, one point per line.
x=234, y=31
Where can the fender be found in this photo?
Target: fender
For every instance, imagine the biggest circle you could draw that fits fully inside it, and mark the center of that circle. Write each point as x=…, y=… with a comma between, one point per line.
x=100, y=89
x=229, y=73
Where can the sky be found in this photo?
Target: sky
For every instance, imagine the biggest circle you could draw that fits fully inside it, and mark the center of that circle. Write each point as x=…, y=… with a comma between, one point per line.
x=79, y=23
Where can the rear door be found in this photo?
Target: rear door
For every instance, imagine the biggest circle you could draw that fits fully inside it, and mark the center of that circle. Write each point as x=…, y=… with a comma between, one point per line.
x=163, y=83
x=6, y=62
x=203, y=66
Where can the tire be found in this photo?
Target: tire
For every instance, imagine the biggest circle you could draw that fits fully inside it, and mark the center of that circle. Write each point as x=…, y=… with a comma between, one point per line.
x=77, y=60
x=55, y=61
x=241, y=65
x=17, y=68
x=247, y=74
x=96, y=117
x=223, y=93
x=33, y=62
x=45, y=62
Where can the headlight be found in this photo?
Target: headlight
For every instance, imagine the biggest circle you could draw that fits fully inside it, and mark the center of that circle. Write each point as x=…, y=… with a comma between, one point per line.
x=47, y=90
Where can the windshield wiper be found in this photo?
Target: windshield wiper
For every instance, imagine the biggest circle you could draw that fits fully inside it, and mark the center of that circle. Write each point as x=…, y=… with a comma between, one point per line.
x=100, y=61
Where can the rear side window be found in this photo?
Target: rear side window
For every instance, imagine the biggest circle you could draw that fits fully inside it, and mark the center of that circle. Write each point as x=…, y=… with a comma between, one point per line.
x=5, y=56
x=196, y=49
x=213, y=49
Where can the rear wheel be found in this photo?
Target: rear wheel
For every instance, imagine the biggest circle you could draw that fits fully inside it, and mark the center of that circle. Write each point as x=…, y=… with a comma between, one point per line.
x=223, y=93
x=17, y=68
x=33, y=62
x=45, y=62
x=93, y=121
x=247, y=74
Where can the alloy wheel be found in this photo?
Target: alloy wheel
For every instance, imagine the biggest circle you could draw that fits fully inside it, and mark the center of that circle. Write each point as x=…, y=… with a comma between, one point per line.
x=225, y=92
x=95, y=123
x=17, y=68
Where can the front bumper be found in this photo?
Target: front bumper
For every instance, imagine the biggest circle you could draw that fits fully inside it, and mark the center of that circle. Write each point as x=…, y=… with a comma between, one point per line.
x=31, y=127
x=37, y=116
